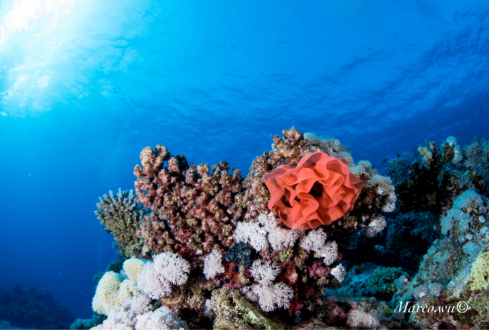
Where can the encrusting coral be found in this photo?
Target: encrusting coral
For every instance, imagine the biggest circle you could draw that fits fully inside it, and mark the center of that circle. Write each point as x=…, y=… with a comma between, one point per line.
x=360, y=319
x=121, y=216
x=233, y=311
x=480, y=272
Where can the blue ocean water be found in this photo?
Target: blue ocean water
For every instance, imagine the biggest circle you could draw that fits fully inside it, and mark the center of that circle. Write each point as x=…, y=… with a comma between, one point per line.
x=85, y=85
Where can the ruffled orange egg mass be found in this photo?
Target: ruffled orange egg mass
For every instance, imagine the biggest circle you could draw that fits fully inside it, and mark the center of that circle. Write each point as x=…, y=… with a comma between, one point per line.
x=319, y=191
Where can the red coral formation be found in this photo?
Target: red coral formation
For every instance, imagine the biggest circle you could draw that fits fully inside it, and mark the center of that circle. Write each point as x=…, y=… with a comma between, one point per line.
x=319, y=191
x=317, y=270
x=288, y=150
x=195, y=209
x=290, y=276
x=376, y=193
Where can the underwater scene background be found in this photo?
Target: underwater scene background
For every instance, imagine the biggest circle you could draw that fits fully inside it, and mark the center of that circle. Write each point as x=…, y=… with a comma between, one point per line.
x=86, y=86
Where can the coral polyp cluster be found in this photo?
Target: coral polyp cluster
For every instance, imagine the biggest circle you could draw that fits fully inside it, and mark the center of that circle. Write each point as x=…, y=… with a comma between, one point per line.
x=301, y=242
x=194, y=209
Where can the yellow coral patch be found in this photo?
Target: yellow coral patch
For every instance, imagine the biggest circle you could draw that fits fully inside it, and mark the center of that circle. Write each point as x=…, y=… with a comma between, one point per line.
x=106, y=294
x=127, y=290
x=480, y=272
x=133, y=267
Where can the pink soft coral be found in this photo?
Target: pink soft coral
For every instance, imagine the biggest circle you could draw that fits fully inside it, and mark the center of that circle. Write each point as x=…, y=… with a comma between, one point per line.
x=319, y=191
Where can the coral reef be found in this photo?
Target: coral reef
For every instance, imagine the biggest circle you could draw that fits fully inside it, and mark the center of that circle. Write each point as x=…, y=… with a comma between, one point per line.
x=33, y=310
x=121, y=215
x=310, y=239
x=369, y=280
x=201, y=215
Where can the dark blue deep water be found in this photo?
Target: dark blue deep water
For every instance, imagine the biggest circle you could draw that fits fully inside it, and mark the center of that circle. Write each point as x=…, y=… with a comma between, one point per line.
x=85, y=85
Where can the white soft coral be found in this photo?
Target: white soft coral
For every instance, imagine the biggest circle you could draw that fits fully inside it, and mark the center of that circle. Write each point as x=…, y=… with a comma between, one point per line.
x=213, y=264
x=265, y=230
x=251, y=232
x=155, y=278
x=161, y=319
x=329, y=252
x=268, y=295
x=374, y=227
x=264, y=272
x=172, y=268
x=124, y=317
x=272, y=295
x=314, y=240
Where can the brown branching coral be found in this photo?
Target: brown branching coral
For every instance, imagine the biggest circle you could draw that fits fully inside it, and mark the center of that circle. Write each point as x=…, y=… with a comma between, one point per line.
x=195, y=209
x=121, y=215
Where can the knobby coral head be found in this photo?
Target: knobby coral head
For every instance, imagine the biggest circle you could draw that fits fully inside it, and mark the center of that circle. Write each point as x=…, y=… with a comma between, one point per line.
x=319, y=191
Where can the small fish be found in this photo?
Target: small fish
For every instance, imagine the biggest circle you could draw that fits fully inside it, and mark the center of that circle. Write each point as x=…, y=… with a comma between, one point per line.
x=385, y=161
x=398, y=155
